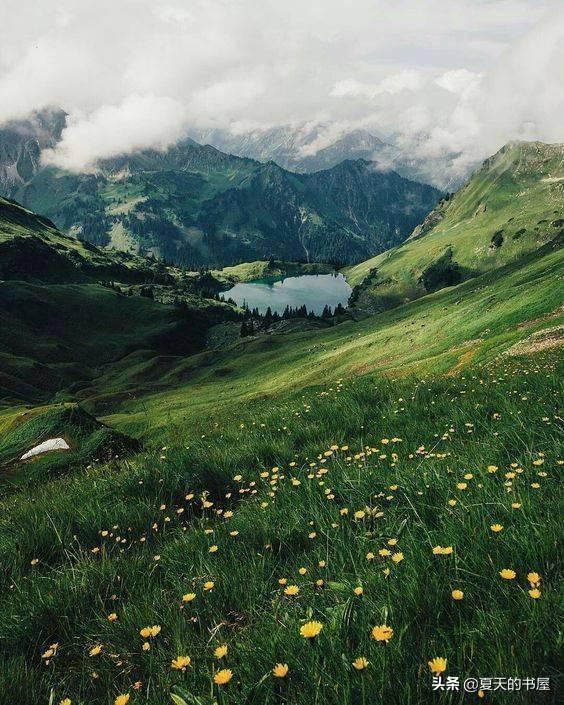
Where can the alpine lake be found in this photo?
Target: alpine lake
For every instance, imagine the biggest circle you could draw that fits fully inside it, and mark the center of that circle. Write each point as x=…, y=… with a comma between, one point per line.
x=315, y=291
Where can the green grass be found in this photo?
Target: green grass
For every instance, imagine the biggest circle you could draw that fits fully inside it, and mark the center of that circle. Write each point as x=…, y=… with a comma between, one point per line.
x=63, y=334
x=94, y=537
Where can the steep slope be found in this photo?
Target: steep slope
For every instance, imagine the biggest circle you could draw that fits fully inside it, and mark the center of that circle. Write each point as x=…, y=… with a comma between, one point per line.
x=64, y=309
x=513, y=205
x=195, y=205
x=21, y=143
x=251, y=470
x=32, y=249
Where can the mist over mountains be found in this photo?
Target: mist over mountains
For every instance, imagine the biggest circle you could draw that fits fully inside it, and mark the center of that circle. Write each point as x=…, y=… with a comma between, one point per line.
x=195, y=205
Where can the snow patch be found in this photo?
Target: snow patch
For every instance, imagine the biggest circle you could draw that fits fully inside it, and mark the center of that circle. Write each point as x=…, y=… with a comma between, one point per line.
x=46, y=447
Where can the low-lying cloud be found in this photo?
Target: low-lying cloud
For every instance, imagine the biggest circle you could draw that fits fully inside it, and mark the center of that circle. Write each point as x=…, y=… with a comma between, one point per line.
x=438, y=78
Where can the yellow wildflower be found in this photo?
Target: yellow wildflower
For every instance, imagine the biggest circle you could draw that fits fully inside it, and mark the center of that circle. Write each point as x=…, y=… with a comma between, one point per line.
x=221, y=651
x=382, y=633
x=180, y=663
x=311, y=629
x=360, y=663
x=438, y=665
x=222, y=677
x=280, y=670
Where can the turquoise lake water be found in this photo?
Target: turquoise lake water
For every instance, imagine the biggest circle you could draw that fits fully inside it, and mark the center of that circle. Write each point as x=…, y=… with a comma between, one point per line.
x=314, y=290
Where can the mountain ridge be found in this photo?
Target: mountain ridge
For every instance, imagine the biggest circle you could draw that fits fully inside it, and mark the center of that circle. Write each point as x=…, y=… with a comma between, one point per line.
x=195, y=205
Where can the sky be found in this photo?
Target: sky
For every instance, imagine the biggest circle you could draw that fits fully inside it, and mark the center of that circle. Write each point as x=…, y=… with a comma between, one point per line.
x=436, y=76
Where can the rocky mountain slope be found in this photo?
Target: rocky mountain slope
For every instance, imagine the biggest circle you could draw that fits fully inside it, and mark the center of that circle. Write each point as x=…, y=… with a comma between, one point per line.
x=296, y=147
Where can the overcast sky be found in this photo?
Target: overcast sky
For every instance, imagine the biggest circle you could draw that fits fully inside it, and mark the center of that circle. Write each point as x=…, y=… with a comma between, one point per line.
x=441, y=75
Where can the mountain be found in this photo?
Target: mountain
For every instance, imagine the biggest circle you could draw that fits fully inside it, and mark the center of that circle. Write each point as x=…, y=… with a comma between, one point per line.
x=308, y=147
x=21, y=144
x=195, y=205
x=305, y=147
x=513, y=205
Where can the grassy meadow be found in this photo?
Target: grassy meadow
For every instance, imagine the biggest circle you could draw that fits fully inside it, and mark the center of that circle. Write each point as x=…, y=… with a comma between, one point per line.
x=350, y=506
x=327, y=507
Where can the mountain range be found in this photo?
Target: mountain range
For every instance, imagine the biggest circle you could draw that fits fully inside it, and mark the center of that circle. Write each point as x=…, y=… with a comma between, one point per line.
x=311, y=146
x=195, y=205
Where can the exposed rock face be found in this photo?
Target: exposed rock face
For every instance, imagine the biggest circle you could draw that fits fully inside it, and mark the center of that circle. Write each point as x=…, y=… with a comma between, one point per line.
x=21, y=144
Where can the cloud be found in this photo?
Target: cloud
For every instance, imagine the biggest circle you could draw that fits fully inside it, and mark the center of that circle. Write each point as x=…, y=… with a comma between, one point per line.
x=458, y=76
x=139, y=122
x=406, y=80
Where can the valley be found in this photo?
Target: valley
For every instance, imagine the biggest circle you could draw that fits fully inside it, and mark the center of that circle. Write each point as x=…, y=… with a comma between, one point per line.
x=347, y=496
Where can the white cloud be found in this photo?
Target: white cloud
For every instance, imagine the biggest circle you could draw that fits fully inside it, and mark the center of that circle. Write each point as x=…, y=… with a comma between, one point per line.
x=464, y=76
x=138, y=122
x=458, y=80
x=405, y=80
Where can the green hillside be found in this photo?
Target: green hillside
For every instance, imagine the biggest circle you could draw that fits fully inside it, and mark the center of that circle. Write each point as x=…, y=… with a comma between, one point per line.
x=329, y=479
x=512, y=205
x=68, y=308
x=311, y=517
x=194, y=205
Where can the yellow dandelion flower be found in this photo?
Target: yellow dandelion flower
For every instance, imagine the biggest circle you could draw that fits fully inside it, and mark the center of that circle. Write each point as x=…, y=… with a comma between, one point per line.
x=397, y=557
x=280, y=670
x=438, y=665
x=382, y=633
x=66, y=701
x=291, y=590
x=122, y=699
x=359, y=514
x=146, y=646
x=188, y=597
x=535, y=593
x=222, y=677
x=384, y=552
x=112, y=617
x=149, y=632
x=311, y=629
x=492, y=468
x=507, y=574
x=360, y=663
x=358, y=591
x=302, y=571
x=213, y=549
x=534, y=579
x=370, y=556
x=457, y=595
x=95, y=650
x=209, y=585
x=180, y=663
x=496, y=528
x=221, y=651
